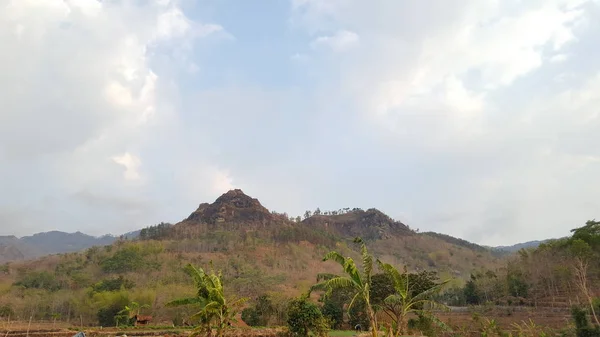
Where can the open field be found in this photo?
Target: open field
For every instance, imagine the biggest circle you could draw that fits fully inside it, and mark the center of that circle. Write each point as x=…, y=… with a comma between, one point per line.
x=464, y=321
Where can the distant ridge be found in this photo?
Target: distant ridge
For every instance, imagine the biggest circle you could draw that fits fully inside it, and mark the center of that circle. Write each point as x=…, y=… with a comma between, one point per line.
x=13, y=248
x=519, y=246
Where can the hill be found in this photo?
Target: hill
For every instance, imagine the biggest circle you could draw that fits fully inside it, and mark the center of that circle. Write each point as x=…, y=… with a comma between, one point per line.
x=53, y=242
x=519, y=246
x=257, y=250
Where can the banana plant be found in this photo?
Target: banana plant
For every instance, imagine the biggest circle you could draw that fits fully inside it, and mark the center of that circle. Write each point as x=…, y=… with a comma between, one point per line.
x=215, y=307
x=359, y=282
x=404, y=301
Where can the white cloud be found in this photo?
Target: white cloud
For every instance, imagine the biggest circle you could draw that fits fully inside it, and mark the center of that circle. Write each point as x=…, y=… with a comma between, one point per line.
x=79, y=86
x=131, y=164
x=222, y=182
x=339, y=42
x=493, y=100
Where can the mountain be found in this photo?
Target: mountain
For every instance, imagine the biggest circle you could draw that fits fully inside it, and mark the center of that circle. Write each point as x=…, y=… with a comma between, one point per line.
x=371, y=224
x=53, y=242
x=233, y=207
x=519, y=246
x=257, y=250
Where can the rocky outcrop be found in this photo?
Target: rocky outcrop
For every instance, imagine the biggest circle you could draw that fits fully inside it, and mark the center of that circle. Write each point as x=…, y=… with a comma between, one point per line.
x=233, y=207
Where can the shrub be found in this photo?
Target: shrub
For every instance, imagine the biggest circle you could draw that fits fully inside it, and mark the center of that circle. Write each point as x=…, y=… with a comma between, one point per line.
x=305, y=317
x=113, y=284
x=6, y=311
x=39, y=280
x=583, y=328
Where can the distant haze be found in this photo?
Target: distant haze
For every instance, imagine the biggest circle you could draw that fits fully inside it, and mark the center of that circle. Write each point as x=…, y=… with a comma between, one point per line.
x=477, y=118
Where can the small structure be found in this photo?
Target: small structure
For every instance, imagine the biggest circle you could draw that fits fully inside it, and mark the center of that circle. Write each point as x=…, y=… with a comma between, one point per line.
x=141, y=320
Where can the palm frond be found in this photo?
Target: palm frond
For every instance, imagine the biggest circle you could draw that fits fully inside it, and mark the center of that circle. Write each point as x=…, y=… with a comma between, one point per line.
x=352, y=301
x=394, y=299
x=352, y=271
x=335, y=256
x=366, y=258
x=400, y=281
x=431, y=291
x=325, y=276
x=340, y=282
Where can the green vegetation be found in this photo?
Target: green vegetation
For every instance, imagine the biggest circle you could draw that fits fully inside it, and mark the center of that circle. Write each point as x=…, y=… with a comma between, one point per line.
x=109, y=286
x=407, y=299
x=214, y=306
x=360, y=283
x=305, y=317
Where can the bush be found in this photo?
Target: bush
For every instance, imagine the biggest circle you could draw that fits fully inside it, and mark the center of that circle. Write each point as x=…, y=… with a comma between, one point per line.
x=250, y=317
x=261, y=314
x=6, y=311
x=111, y=303
x=334, y=313
x=583, y=328
x=305, y=317
x=113, y=284
x=39, y=280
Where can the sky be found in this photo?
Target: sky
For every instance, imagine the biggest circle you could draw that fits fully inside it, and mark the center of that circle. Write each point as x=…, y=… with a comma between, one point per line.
x=475, y=118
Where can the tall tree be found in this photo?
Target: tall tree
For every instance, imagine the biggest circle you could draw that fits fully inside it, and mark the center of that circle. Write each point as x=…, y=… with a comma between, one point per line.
x=359, y=282
x=210, y=297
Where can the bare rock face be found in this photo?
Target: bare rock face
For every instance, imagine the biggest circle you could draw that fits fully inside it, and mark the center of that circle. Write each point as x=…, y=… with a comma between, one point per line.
x=233, y=207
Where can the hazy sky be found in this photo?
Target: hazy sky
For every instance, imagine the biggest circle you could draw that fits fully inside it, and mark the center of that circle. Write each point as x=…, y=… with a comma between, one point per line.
x=475, y=118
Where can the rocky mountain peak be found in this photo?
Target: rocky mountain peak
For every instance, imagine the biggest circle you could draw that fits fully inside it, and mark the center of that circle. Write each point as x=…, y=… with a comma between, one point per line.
x=232, y=207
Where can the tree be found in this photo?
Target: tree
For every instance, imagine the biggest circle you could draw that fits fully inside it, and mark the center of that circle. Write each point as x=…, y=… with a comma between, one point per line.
x=359, y=282
x=584, y=246
x=471, y=293
x=333, y=307
x=210, y=297
x=406, y=299
x=307, y=214
x=260, y=314
x=305, y=317
x=583, y=254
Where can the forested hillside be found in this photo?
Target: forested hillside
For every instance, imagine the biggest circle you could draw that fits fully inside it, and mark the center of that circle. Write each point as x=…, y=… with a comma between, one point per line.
x=258, y=251
x=558, y=273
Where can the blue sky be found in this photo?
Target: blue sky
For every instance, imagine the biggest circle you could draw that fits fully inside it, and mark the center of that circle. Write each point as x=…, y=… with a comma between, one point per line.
x=476, y=118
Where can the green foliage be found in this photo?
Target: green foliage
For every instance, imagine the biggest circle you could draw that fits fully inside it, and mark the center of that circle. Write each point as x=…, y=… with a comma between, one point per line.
x=111, y=304
x=6, y=311
x=333, y=306
x=334, y=314
x=39, y=280
x=424, y=324
x=159, y=232
x=471, y=292
x=305, y=317
x=113, y=284
x=251, y=317
x=583, y=328
x=358, y=315
x=411, y=295
x=210, y=297
x=454, y=296
x=355, y=279
x=130, y=258
x=590, y=234
x=260, y=314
